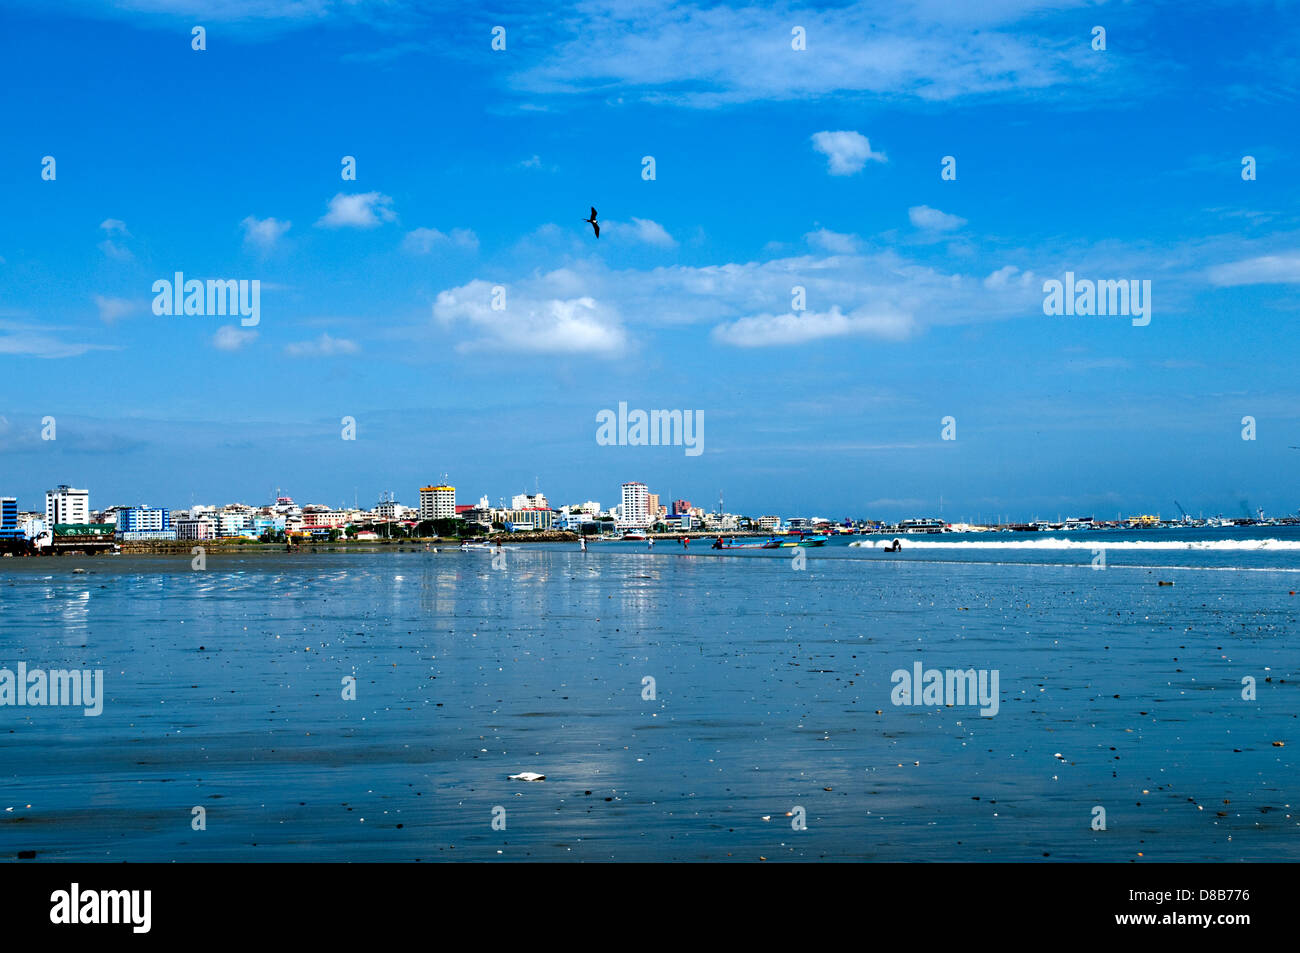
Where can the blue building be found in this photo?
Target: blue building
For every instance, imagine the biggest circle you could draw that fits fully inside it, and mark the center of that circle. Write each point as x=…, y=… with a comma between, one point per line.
x=9, y=518
x=144, y=519
x=678, y=522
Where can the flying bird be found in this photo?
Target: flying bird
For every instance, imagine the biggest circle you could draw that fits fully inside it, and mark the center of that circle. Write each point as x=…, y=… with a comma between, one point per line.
x=592, y=221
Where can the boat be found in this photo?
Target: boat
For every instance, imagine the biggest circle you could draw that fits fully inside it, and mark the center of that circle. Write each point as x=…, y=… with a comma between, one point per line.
x=732, y=544
x=795, y=539
x=633, y=537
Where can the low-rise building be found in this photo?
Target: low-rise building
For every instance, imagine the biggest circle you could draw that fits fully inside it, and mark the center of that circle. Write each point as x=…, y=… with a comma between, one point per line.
x=196, y=528
x=679, y=522
x=528, y=519
x=318, y=517
x=392, y=510
x=85, y=537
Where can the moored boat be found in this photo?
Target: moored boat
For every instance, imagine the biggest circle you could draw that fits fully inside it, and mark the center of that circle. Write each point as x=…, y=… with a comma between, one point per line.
x=732, y=544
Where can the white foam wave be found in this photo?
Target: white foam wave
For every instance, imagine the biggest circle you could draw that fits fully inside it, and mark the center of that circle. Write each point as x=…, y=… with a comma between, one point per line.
x=1052, y=543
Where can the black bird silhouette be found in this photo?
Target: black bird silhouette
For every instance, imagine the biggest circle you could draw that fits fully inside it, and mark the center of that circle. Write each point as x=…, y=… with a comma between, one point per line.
x=592, y=221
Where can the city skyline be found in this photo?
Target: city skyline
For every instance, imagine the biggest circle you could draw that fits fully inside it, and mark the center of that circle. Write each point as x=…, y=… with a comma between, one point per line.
x=922, y=297
x=440, y=502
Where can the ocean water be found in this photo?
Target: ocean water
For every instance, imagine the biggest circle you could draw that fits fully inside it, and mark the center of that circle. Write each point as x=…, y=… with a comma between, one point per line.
x=772, y=731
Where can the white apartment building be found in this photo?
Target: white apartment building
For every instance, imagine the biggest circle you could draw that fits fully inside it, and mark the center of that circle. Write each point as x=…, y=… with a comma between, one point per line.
x=529, y=501
x=634, y=510
x=232, y=522
x=721, y=522
x=437, y=502
x=66, y=505
x=392, y=510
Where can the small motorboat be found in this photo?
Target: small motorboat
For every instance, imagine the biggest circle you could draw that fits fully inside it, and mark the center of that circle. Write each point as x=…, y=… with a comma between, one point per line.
x=732, y=544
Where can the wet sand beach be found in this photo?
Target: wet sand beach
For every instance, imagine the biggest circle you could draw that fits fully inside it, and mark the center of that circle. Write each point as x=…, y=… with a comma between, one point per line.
x=772, y=692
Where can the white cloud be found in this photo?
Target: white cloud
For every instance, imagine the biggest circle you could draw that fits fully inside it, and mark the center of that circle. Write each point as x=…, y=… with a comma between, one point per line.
x=538, y=318
x=837, y=243
x=422, y=241
x=323, y=346
x=766, y=330
x=36, y=341
x=115, y=251
x=363, y=210
x=1005, y=277
x=112, y=310
x=642, y=230
x=588, y=306
x=931, y=219
x=231, y=338
x=112, y=225
x=1264, y=270
x=263, y=233
x=707, y=55
x=847, y=151
x=534, y=162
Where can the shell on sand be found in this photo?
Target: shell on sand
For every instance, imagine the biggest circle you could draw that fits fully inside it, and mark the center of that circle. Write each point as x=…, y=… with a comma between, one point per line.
x=528, y=776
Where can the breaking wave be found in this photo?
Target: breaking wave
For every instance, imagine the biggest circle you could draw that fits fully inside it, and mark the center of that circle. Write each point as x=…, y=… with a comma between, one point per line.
x=1051, y=543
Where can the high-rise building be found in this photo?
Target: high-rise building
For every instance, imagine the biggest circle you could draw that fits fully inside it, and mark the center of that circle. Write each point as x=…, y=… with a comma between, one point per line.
x=66, y=505
x=652, y=506
x=529, y=501
x=635, y=512
x=437, y=502
x=681, y=506
x=9, y=528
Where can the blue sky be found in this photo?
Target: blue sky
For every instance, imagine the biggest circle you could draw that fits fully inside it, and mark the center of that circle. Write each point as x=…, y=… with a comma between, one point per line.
x=475, y=168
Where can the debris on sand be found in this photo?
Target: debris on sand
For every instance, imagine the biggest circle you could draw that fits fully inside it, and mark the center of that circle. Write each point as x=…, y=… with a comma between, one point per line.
x=528, y=776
